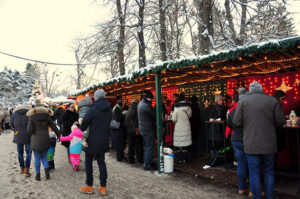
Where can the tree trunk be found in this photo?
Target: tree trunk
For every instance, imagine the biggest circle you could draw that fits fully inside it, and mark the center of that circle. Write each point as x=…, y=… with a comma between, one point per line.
x=241, y=38
x=121, y=40
x=140, y=34
x=162, y=22
x=206, y=40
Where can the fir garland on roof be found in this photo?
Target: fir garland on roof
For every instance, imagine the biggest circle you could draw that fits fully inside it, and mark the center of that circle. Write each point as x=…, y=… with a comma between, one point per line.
x=249, y=50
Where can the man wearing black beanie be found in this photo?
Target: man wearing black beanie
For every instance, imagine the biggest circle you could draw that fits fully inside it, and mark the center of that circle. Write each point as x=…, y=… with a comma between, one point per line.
x=146, y=117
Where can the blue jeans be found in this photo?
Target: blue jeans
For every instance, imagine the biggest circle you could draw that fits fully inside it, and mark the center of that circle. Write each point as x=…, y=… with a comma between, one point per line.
x=242, y=168
x=38, y=157
x=149, y=147
x=20, y=148
x=267, y=162
x=89, y=157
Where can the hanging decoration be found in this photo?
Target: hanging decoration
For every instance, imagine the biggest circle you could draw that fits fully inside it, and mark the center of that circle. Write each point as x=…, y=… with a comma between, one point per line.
x=217, y=92
x=284, y=87
x=297, y=82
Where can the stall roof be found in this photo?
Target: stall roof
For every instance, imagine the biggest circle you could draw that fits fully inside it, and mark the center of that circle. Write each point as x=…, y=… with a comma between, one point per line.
x=262, y=58
x=58, y=100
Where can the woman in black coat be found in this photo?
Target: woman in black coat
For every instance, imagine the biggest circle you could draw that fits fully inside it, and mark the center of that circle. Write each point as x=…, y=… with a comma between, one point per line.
x=135, y=139
x=38, y=127
x=119, y=135
x=68, y=119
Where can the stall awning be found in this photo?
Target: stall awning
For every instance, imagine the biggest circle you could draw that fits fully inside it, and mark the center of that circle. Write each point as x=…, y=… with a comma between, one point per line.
x=262, y=58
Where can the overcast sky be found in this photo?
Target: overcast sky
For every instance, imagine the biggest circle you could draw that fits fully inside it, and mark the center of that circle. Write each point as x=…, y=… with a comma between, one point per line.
x=45, y=29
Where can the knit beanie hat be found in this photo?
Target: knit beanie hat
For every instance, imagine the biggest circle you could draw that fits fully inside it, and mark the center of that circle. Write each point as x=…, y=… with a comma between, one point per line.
x=37, y=103
x=99, y=94
x=218, y=97
x=255, y=86
x=235, y=98
x=242, y=92
x=148, y=94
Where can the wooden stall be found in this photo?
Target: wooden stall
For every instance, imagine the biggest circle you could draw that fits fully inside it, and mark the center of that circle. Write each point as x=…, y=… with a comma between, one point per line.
x=204, y=76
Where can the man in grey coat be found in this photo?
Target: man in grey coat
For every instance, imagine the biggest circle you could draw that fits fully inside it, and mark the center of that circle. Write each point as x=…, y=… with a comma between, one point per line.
x=146, y=117
x=259, y=115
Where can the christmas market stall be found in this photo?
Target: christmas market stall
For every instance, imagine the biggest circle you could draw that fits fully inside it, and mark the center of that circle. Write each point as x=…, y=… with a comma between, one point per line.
x=275, y=64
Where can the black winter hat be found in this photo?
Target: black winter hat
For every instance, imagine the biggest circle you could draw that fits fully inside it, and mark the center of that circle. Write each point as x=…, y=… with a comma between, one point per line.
x=236, y=98
x=148, y=94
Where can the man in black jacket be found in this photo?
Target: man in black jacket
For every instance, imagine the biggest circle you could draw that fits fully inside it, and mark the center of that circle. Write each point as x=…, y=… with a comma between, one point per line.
x=146, y=117
x=98, y=120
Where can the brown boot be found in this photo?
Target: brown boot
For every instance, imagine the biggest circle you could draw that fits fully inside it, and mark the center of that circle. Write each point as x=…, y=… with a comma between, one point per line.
x=87, y=189
x=26, y=172
x=102, y=190
x=22, y=171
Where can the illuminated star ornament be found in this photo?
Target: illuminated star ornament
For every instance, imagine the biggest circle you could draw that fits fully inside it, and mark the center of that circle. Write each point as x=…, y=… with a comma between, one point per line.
x=217, y=92
x=297, y=82
x=284, y=87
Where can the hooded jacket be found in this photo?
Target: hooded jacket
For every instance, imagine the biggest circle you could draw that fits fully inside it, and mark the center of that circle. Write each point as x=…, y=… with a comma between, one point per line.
x=84, y=105
x=38, y=126
x=259, y=114
x=98, y=120
x=75, y=137
x=18, y=122
x=182, y=132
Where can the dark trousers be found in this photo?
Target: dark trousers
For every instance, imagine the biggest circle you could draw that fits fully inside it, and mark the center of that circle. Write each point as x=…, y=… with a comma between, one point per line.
x=135, y=145
x=89, y=168
x=120, y=154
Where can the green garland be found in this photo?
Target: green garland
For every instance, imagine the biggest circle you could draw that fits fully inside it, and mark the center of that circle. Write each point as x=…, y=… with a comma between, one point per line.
x=244, y=51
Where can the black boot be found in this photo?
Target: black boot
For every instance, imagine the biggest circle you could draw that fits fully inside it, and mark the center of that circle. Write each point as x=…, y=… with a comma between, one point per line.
x=38, y=177
x=47, y=174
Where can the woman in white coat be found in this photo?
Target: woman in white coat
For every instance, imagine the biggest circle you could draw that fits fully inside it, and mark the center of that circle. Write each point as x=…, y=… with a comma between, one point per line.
x=182, y=132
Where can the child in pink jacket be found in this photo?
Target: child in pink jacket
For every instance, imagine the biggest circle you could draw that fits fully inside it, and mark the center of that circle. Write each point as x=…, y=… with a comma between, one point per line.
x=75, y=146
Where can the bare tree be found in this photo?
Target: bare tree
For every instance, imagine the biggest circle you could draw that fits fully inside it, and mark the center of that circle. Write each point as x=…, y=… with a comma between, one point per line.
x=163, y=30
x=140, y=34
x=206, y=27
x=121, y=40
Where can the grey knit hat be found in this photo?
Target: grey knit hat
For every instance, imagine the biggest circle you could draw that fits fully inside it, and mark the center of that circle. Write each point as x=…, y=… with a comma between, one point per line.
x=242, y=92
x=255, y=86
x=99, y=94
x=218, y=97
x=37, y=103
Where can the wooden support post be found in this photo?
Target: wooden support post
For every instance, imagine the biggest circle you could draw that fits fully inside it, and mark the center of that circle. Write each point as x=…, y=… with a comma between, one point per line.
x=159, y=122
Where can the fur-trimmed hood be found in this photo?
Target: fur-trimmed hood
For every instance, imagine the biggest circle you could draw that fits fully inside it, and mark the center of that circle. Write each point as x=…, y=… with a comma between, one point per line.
x=38, y=110
x=24, y=106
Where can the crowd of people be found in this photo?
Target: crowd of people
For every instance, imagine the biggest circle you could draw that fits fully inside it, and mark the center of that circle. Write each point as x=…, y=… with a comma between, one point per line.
x=253, y=124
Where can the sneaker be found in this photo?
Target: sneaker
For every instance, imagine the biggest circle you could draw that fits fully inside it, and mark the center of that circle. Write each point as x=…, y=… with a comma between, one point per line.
x=87, y=189
x=251, y=194
x=242, y=192
x=102, y=190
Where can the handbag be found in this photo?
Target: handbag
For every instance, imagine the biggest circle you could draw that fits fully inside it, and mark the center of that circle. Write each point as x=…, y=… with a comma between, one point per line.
x=114, y=124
